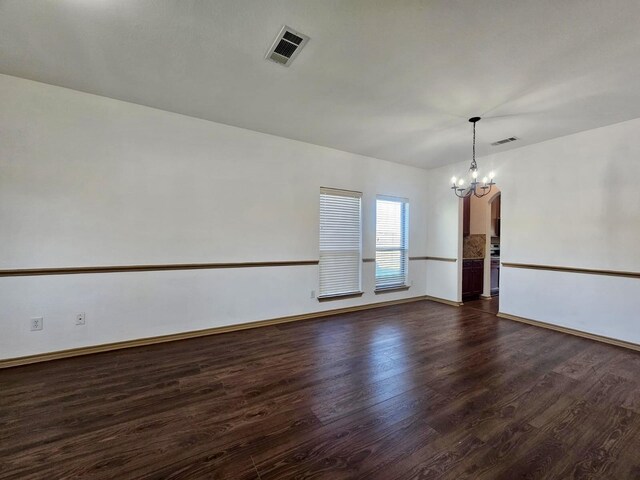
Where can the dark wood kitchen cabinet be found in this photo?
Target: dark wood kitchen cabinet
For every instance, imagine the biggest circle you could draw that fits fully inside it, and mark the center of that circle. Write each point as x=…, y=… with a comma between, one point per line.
x=495, y=216
x=466, y=216
x=472, y=278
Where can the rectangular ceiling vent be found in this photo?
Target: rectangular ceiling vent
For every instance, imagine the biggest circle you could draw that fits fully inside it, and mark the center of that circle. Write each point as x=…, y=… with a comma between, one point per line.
x=504, y=140
x=286, y=46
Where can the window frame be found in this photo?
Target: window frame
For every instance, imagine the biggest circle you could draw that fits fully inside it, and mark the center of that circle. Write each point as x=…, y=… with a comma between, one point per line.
x=403, y=248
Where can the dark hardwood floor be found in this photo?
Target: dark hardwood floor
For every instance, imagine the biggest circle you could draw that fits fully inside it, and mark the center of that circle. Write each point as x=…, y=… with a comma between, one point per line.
x=414, y=391
x=488, y=305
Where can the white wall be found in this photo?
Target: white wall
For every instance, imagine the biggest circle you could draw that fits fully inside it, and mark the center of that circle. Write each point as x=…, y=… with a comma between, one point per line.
x=478, y=212
x=87, y=180
x=570, y=202
x=444, y=220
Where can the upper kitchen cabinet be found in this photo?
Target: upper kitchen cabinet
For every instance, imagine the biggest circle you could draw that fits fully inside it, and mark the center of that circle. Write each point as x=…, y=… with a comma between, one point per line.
x=466, y=216
x=495, y=217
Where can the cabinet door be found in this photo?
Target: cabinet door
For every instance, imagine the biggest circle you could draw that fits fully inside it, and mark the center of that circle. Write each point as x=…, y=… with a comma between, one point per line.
x=478, y=273
x=472, y=277
x=467, y=280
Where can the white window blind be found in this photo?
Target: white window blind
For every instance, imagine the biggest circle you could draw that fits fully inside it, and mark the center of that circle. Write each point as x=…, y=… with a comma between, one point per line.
x=340, y=242
x=392, y=243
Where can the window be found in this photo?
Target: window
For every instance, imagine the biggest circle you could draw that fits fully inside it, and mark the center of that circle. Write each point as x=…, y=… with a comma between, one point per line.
x=340, y=242
x=392, y=243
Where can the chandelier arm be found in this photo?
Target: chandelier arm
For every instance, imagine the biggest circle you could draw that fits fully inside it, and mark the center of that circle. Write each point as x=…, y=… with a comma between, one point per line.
x=485, y=191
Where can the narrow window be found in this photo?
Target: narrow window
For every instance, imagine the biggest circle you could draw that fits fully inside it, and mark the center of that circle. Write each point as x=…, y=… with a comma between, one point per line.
x=340, y=242
x=392, y=242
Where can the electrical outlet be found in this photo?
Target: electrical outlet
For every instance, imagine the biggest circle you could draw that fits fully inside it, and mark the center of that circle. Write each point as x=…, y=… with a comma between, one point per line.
x=80, y=319
x=313, y=294
x=37, y=323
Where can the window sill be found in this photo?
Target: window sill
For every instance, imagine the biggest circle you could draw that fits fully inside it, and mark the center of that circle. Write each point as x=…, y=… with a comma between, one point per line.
x=339, y=296
x=399, y=288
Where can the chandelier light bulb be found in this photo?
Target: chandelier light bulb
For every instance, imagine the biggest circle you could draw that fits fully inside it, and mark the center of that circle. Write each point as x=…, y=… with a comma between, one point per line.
x=475, y=174
x=454, y=180
x=485, y=180
x=491, y=175
x=461, y=182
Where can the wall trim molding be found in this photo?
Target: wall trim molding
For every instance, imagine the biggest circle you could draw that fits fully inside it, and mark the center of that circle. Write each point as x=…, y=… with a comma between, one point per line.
x=590, y=271
x=372, y=260
x=140, y=342
x=571, y=331
x=24, y=272
x=441, y=259
x=445, y=301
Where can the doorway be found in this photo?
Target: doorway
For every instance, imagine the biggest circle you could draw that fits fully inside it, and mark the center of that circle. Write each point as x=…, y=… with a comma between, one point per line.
x=481, y=246
x=492, y=266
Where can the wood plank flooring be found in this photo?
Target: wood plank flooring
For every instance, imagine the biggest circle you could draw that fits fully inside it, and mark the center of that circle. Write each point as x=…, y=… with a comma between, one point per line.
x=414, y=391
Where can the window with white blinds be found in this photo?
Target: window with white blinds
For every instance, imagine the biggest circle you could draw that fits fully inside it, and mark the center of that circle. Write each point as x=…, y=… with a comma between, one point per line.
x=340, y=242
x=392, y=242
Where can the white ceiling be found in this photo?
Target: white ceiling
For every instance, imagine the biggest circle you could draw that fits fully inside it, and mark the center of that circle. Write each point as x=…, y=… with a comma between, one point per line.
x=391, y=79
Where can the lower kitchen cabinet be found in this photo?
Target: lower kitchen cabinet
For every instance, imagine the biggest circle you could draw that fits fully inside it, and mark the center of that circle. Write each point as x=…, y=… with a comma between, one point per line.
x=472, y=278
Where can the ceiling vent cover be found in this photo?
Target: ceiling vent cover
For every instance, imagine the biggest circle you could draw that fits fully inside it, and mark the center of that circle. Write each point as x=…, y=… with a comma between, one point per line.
x=286, y=46
x=504, y=140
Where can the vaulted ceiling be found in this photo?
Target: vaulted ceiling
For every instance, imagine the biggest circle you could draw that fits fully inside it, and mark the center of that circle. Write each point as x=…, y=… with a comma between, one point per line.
x=392, y=79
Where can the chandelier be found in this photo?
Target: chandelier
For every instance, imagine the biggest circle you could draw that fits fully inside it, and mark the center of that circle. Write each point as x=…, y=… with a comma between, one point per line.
x=477, y=188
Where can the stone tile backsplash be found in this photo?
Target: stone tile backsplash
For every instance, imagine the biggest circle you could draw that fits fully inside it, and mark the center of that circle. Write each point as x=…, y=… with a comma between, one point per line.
x=473, y=246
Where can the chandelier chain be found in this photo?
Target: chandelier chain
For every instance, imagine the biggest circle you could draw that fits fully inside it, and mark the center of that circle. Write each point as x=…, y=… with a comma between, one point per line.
x=474, y=165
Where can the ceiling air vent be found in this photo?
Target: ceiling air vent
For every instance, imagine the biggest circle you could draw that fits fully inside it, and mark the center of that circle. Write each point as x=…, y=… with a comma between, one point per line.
x=286, y=46
x=504, y=140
